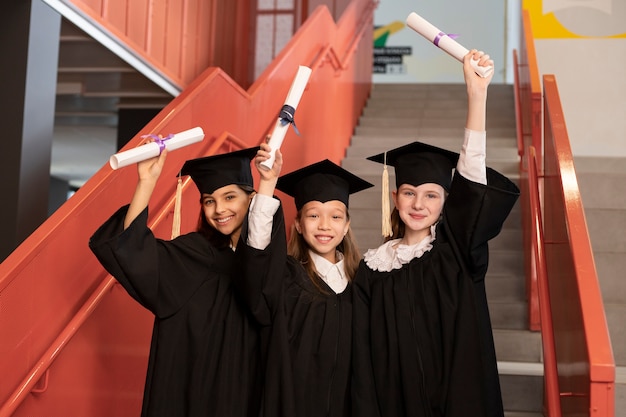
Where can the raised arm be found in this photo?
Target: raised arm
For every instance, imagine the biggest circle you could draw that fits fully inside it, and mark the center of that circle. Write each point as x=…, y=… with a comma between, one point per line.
x=264, y=206
x=148, y=172
x=260, y=269
x=472, y=158
x=476, y=90
x=268, y=178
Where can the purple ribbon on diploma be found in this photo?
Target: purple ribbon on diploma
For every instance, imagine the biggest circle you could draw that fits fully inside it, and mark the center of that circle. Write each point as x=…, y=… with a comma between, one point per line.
x=159, y=141
x=286, y=117
x=441, y=35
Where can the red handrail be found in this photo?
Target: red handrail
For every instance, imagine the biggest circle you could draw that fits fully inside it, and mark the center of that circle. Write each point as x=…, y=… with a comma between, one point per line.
x=531, y=90
x=528, y=116
x=551, y=382
x=583, y=346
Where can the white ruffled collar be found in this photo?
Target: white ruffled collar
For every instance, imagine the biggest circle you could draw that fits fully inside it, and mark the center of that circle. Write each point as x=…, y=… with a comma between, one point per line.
x=392, y=255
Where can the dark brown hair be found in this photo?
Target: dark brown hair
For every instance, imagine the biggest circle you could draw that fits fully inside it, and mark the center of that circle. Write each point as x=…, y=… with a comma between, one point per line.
x=216, y=238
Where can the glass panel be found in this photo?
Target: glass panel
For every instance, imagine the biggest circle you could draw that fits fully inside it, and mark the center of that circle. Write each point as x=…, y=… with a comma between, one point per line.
x=264, y=43
x=285, y=4
x=266, y=4
x=284, y=31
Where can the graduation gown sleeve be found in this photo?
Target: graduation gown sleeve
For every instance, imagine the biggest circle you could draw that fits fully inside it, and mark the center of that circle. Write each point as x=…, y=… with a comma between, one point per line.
x=473, y=225
x=260, y=272
x=160, y=275
x=474, y=214
x=204, y=352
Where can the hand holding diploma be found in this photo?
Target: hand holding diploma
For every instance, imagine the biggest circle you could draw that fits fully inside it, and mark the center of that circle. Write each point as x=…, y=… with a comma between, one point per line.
x=443, y=41
x=152, y=149
x=286, y=116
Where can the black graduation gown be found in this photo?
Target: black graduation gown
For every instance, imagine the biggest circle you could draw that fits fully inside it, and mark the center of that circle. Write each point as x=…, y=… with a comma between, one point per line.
x=423, y=344
x=204, y=353
x=306, y=334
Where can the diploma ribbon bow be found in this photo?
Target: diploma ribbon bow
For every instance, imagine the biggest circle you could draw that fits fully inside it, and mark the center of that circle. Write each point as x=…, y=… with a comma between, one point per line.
x=159, y=141
x=441, y=35
x=286, y=117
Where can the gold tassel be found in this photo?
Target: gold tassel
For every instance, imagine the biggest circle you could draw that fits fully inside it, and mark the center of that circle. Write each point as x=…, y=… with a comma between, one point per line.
x=177, y=209
x=386, y=211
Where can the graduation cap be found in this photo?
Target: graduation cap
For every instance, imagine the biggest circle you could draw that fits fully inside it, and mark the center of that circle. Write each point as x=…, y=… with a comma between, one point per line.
x=212, y=172
x=322, y=181
x=416, y=163
x=216, y=171
x=419, y=163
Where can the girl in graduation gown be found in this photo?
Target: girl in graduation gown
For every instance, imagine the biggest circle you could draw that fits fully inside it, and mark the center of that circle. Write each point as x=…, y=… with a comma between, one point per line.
x=300, y=293
x=423, y=343
x=204, y=353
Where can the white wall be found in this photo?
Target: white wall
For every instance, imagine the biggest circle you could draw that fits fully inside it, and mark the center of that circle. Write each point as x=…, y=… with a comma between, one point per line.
x=591, y=77
x=584, y=45
x=488, y=25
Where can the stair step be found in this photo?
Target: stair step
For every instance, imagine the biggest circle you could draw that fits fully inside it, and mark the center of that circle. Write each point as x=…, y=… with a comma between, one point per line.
x=606, y=229
x=427, y=116
x=423, y=133
x=522, y=387
x=371, y=145
x=505, y=287
x=509, y=315
x=598, y=190
x=372, y=171
x=518, y=346
x=522, y=393
x=620, y=390
x=615, y=314
x=610, y=267
x=596, y=164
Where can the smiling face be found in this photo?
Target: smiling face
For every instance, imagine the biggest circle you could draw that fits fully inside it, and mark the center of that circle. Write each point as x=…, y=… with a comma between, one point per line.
x=419, y=208
x=225, y=209
x=323, y=226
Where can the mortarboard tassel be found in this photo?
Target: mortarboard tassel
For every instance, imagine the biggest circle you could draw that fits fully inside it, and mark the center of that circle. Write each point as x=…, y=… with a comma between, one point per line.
x=177, y=209
x=386, y=211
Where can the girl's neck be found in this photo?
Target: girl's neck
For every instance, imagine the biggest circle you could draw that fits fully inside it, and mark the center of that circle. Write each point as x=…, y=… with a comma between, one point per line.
x=412, y=237
x=234, y=238
x=330, y=256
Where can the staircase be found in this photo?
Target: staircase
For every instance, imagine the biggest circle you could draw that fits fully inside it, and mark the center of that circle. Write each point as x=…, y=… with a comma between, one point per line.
x=601, y=182
x=397, y=114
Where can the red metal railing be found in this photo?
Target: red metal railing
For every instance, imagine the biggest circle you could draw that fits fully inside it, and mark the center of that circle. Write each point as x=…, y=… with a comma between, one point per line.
x=552, y=401
x=63, y=322
x=564, y=297
x=583, y=346
x=528, y=112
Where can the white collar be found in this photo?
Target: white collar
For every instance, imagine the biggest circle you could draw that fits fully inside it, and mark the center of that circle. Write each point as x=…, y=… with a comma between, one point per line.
x=333, y=274
x=392, y=255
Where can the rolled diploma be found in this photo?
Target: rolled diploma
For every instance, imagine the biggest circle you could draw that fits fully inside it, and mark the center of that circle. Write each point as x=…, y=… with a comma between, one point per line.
x=293, y=98
x=449, y=45
x=150, y=150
